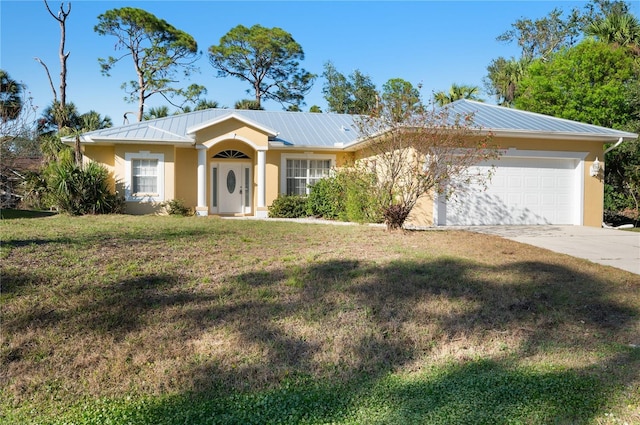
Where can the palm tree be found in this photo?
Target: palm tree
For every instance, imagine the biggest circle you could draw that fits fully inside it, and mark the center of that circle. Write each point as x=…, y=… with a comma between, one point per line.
x=620, y=29
x=504, y=77
x=10, y=97
x=92, y=120
x=206, y=104
x=457, y=92
x=248, y=104
x=158, y=112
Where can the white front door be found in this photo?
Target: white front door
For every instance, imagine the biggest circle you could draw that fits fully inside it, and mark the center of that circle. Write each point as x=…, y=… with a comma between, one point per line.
x=232, y=187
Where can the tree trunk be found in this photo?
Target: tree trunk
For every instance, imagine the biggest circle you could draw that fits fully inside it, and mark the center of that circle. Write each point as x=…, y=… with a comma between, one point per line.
x=61, y=17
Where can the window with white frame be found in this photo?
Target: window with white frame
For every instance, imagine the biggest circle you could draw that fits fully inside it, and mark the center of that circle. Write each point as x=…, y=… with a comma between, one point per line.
x=144, y=176
x=301, y=171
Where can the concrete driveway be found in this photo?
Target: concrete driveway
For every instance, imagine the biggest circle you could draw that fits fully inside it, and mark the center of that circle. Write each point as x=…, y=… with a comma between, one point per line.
x=611, y=247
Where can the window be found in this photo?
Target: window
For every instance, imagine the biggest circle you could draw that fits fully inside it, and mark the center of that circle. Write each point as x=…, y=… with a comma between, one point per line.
x=144, y=176
x=304, y=171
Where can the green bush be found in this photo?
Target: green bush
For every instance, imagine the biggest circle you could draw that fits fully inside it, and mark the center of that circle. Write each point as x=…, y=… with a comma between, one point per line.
x=326, y=198
x=177, y=207
x=361, y=197
x=349, y=195
x=80, y=190
x=289, y=206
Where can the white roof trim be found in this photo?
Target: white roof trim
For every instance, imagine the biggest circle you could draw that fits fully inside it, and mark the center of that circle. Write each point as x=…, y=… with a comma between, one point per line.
x=210, y=143
x=232, y=115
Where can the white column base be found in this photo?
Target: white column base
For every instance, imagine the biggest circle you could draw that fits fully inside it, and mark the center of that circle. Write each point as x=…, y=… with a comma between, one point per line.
x=202, y=211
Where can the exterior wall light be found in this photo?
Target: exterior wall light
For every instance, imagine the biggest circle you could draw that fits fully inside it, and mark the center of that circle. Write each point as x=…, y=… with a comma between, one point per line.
x=595, y=168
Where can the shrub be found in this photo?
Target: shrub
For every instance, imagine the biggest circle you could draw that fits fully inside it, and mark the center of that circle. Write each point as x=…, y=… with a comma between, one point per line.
x=362, y=204
x=177, y=207
x=80, y=190
x=349, y=195
x=289, y=206
x=326, y=198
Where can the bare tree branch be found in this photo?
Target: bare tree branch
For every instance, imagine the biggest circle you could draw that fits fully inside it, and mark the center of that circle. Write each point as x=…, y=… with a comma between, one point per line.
x=53, y=89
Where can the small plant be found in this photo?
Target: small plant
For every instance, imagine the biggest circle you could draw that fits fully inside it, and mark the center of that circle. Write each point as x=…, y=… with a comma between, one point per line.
x=289, y=206
x=177, y=207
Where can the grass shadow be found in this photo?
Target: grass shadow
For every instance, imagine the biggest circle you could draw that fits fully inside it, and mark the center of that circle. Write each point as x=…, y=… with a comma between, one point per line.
x=557, y=307
x=356, y=341
x=12, y=214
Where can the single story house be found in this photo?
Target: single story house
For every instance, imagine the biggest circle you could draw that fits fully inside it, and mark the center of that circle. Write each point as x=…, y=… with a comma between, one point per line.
x=236, y=162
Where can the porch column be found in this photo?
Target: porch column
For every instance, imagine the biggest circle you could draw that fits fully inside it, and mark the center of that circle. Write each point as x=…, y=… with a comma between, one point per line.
x=261, y=210
x=201, y=208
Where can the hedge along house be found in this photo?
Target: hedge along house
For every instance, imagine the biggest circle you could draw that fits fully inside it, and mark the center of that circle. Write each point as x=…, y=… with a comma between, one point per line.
x=236, y=162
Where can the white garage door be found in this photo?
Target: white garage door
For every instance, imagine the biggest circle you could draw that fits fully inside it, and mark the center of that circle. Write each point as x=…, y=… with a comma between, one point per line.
x=521, y=191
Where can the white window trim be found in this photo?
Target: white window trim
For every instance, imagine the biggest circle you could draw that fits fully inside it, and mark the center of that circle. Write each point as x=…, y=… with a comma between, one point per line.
x=311, y=156
x=128, y=179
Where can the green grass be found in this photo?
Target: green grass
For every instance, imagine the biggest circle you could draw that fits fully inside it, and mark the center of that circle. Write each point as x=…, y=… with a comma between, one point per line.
x=171, y=320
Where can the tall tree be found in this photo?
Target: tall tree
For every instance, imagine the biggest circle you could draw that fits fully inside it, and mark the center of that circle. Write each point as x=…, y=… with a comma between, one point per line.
x=540, y=38
x=61, y=17
x=355, y=94
x=158, y=51
x=457, y=92
x=266, y=58
x=400, y=97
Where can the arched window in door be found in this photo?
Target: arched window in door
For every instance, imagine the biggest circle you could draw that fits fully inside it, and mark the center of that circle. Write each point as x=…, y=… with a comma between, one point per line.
x=230, y=154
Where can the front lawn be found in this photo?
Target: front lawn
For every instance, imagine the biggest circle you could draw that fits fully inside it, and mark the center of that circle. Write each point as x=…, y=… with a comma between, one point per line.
x=169, y=320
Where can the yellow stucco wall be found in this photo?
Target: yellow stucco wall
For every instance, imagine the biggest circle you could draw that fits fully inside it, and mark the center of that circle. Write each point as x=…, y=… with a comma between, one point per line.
x=104, y=155
x=186, y=176
x=228, y=128
x=593, y=194
x=180, y=166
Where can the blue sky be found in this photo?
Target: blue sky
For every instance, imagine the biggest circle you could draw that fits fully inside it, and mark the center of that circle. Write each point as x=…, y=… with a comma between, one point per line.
x=434, y=43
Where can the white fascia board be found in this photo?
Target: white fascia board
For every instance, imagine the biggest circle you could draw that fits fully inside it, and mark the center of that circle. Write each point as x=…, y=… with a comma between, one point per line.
x=605, y=138
x=306, y=148
x=108, y=141
x=551, y=135
x=232, y=115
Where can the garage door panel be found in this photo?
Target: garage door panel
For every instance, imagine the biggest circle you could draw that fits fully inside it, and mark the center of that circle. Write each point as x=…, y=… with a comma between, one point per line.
x=521, y=191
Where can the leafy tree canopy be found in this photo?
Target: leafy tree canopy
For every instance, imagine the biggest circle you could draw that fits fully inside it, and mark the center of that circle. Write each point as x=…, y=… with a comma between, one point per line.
x=587, y=83
x=266, y=58
x=542, y=37
x=158, y=50
x=401, y=97
x=355, y=94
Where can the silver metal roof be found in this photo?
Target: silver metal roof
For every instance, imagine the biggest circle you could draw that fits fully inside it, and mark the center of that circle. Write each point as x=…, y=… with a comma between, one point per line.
x=500, y=119
x=326, y=130
x=300, y=129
